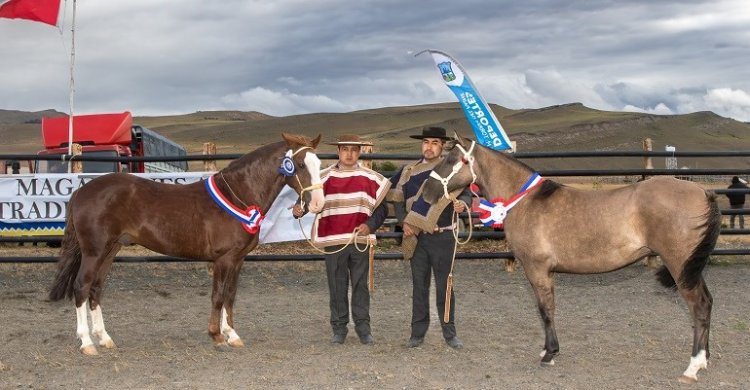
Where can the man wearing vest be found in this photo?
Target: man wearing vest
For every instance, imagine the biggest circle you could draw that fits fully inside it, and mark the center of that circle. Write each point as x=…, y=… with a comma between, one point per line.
x=428, y=237
x=353, y=199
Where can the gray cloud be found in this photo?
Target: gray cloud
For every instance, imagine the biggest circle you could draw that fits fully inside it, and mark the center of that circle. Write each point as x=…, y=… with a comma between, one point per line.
x=291, y=56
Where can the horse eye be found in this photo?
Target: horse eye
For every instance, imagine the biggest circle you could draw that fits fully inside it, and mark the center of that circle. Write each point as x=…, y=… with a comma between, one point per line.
x=464, y=160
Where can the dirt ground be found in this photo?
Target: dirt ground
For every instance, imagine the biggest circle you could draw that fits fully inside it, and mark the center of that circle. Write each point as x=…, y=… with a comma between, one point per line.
x=620, y=330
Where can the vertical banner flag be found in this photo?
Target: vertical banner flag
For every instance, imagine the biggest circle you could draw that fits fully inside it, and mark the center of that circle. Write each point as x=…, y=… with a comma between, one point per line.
x=45, y=11
x=486, y=127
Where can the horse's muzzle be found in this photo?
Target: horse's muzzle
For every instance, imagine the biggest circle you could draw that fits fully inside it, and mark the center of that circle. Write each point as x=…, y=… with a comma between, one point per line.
x=315, y=205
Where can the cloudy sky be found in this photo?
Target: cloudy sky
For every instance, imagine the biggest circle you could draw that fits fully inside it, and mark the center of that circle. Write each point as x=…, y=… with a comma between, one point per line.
x=291, y=57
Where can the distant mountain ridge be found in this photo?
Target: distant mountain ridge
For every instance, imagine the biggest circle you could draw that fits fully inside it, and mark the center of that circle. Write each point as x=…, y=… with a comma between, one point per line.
x=11, y=117
x=565, y=127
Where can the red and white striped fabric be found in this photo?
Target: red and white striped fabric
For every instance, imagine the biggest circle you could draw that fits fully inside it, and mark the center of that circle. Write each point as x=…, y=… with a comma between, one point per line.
x=350, y=198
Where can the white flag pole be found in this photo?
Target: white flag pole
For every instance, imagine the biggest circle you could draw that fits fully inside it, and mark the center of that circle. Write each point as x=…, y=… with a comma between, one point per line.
x=72, y=85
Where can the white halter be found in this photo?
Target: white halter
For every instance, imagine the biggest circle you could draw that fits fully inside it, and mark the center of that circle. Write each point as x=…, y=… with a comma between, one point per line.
x=313, y=186
x=467, y=158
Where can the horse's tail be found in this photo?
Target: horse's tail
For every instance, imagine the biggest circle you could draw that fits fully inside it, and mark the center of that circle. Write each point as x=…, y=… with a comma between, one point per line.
x=691, y=272
x=68, y=264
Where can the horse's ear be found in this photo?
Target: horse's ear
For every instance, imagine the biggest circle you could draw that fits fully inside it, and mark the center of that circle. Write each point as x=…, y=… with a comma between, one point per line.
x=316, y=141
x=461, y=140
x=290, y=139
x=293, y=140
x=456, y=140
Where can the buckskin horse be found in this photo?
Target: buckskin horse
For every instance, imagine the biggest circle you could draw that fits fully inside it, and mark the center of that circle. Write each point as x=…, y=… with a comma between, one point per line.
x=189, y=221
x=555, y=228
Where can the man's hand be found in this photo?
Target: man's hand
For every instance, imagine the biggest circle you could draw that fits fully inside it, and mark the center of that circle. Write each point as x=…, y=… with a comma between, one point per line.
x=298, y=211
x=408, y=230
x=363, y=230
x=458, y=206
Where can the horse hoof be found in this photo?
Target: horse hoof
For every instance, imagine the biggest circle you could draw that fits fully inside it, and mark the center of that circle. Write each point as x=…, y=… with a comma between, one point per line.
x=548, y=359
x=687, y=380
x=109, y=344
x=89, y=350
x=222, y=347
x=236, y=343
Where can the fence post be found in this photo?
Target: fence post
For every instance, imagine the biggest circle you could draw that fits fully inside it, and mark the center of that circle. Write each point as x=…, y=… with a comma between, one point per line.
x=209, y=148
x=647, y=147
x=366, y=163
x=76, y=166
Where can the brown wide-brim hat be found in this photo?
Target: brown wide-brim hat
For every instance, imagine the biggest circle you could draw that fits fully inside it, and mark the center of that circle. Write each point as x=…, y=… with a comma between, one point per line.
x=350, y=139
x=432, y=132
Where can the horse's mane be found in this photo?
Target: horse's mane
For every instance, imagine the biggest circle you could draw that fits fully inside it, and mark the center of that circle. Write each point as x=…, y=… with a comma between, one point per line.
x=500, y=154
x=291, y=141
x=547, y=188
x=264, y=150
x=512, y=158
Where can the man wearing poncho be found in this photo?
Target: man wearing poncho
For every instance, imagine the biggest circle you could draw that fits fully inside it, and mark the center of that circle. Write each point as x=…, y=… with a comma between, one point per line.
x=353, y=199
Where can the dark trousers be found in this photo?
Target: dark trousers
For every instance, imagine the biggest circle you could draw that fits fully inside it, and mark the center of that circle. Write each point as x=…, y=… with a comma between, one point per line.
x=339, y=268
x=740, y=216
x=433, y=254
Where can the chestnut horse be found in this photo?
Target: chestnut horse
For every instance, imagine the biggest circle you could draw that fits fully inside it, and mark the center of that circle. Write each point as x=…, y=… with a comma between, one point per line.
x=179, y=220
x=554, y=228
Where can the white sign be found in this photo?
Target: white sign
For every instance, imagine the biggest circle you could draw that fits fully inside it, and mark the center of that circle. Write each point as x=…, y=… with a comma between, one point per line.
x=35, y=204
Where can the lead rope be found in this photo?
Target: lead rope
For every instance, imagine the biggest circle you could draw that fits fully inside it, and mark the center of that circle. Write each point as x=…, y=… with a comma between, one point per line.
x=456, y=243
x=370, y=244
x=231, y=191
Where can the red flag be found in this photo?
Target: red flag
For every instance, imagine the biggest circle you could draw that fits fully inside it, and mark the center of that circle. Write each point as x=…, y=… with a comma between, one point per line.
x=44, y=11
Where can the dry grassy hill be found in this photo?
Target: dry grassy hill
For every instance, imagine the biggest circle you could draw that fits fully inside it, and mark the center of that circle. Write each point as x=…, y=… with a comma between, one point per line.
x=565, y=127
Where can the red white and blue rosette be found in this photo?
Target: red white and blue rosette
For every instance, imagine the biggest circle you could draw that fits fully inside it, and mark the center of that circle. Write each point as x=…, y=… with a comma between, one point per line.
x=493, y=213
x=287, y=165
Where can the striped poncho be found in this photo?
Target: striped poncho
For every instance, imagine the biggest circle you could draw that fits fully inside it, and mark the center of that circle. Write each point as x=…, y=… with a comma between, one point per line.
x=351, y=195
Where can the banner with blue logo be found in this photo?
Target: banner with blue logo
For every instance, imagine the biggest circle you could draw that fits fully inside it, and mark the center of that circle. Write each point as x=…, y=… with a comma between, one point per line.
x=486, y=127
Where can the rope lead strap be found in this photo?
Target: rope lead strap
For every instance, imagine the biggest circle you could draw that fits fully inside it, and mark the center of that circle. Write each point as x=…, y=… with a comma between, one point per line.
x=456, y=243
x=370, y=245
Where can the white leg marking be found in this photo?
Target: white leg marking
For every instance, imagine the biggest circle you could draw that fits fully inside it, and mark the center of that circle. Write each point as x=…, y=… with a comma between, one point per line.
x=97, y=325
x=541, y=355
x=227, y=331
x=696, y=363
x=82, y=329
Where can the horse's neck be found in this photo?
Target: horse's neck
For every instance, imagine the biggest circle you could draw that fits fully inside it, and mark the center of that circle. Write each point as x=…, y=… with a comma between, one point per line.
x=500, y=176
x=256, y=183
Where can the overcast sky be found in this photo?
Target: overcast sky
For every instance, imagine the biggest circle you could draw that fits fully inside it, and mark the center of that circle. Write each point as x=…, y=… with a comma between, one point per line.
x=291, y=57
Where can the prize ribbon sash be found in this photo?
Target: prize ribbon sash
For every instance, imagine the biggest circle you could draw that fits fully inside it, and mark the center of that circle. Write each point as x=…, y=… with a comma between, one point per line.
x=250, y=217
x=492, y=214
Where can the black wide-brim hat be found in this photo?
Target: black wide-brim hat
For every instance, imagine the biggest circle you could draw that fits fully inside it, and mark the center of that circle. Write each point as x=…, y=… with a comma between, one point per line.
x=432, y=132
